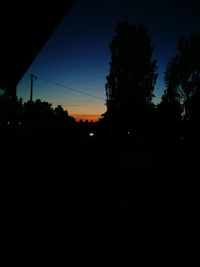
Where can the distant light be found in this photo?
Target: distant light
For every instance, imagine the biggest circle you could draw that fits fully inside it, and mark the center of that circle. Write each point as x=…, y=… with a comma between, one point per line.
x=129, y=132
x=8, y=122
x=91, y=134
x=19, y=123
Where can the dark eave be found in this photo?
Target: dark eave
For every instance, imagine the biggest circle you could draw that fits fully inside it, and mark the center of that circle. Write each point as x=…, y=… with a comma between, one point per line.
x=25, y=27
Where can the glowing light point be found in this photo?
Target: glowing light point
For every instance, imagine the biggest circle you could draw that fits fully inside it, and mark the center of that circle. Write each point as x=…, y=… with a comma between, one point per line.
x=91, y=134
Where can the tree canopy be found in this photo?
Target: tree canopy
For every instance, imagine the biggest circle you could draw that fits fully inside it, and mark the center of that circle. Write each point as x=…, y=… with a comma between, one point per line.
x=130, y=83
x=182, y=76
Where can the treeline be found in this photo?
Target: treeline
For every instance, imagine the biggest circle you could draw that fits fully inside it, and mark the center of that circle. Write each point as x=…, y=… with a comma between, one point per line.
x=130, y=91
x=41, y=116
x=33, y=114
x=131, y=81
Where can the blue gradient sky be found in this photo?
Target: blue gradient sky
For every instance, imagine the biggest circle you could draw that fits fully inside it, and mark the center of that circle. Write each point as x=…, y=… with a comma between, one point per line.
x=77, y=54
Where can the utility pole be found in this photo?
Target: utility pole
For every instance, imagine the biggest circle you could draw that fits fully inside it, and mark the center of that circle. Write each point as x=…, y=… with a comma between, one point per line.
x=31, y=94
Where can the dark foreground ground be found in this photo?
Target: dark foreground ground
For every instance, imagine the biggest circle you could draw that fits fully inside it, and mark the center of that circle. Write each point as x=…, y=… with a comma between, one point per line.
x=60, y=191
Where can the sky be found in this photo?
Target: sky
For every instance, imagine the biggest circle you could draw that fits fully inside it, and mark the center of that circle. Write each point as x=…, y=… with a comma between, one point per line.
x=77, y=54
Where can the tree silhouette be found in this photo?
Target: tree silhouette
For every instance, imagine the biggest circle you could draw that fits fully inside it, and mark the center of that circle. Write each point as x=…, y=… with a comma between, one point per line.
x=6, y=106
x=60, y=113
x=19, y=109
x=183, y=73
x=170, y=108
x=169, y=112
x=130, y=83
x=38, y=112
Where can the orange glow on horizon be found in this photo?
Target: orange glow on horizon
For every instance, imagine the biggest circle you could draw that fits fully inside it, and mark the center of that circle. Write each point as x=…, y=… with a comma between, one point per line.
x=83, y=117
x=91, y=111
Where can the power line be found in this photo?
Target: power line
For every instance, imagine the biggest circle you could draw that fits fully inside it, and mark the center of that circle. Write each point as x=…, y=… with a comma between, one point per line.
x=70, y=88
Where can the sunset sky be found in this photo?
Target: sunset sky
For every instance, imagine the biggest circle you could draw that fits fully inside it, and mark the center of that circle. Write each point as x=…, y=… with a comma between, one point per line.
x=77, y=54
